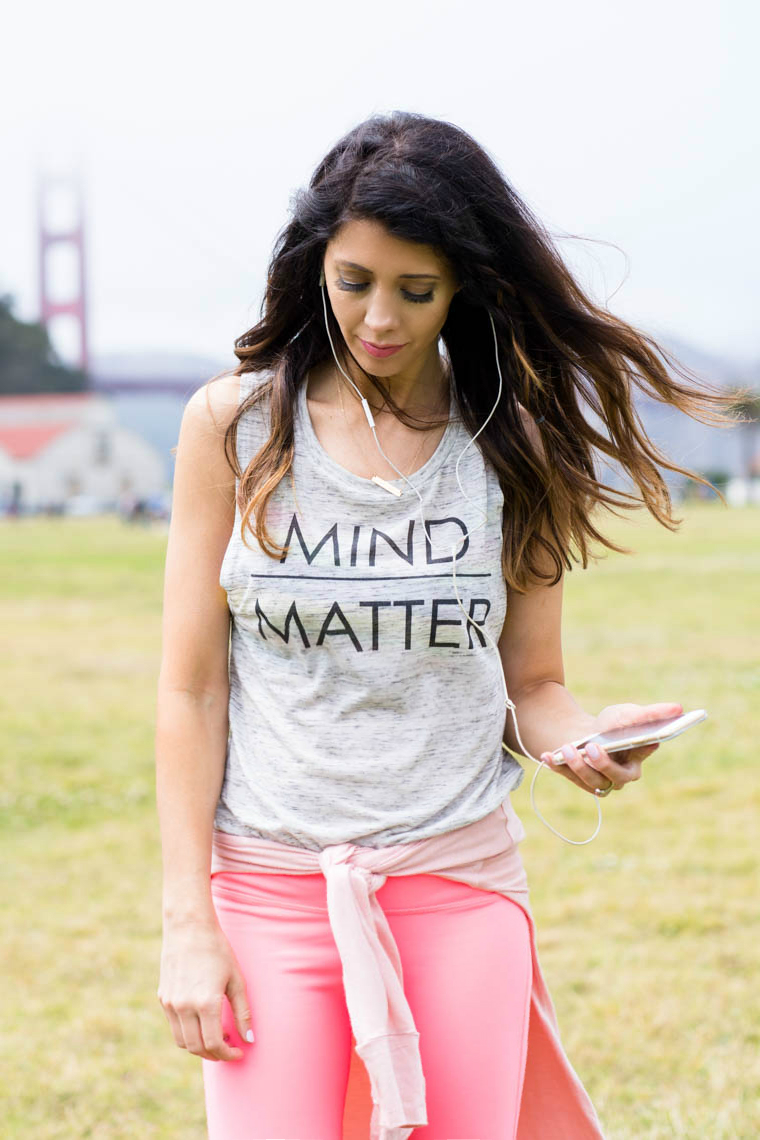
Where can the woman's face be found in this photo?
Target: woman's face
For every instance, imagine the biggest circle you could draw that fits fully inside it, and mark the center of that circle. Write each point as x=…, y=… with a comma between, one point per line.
x=385, y=291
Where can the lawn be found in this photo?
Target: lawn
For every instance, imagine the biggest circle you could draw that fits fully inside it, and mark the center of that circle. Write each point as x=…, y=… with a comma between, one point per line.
x=647, y=936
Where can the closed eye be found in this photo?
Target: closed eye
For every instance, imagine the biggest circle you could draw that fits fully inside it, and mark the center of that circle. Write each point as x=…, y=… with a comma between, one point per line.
x=355, y=287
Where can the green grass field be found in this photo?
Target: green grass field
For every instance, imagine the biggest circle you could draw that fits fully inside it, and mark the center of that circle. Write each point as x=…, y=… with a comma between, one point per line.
x=647, y=936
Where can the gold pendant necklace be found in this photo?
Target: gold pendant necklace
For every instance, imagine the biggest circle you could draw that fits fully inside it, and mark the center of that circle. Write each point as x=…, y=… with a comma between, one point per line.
x=378, y=478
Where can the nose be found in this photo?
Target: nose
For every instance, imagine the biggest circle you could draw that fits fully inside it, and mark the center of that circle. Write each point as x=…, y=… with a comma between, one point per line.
x=380, y=317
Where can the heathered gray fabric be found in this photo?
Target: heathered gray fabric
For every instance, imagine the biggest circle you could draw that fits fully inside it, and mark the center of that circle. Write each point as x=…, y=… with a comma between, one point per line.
x=363, y=707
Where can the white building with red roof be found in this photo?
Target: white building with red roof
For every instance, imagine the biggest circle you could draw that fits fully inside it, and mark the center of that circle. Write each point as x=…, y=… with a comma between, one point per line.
x=57, y=446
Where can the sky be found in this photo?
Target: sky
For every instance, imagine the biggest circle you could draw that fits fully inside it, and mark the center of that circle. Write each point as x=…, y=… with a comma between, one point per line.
x=630, y=129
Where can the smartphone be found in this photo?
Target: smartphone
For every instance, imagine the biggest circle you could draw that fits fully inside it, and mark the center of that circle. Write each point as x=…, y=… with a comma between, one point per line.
x=638, y=735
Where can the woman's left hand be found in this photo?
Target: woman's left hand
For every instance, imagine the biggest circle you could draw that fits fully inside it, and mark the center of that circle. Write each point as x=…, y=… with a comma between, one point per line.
x=592, y=767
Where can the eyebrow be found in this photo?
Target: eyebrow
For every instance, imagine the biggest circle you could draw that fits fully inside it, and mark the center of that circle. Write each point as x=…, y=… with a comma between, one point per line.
x=363, y=269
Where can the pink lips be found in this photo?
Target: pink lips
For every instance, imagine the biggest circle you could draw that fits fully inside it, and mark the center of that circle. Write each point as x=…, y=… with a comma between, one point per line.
x=374, y=350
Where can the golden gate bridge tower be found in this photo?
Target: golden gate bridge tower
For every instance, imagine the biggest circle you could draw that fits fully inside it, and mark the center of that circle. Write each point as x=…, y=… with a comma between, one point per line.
x=69, y=237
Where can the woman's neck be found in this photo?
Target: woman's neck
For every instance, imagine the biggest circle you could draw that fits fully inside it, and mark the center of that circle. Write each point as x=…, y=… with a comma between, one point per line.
x=424, y=395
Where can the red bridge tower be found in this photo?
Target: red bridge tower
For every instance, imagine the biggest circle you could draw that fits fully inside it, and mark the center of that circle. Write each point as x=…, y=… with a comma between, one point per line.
x=73, y=235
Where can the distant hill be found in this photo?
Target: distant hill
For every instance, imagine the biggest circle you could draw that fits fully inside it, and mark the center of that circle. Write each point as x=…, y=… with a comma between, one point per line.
x=149, y=364
x=715, y=368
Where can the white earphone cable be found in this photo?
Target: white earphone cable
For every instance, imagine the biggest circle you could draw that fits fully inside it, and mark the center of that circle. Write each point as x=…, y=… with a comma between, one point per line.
x=507, y=700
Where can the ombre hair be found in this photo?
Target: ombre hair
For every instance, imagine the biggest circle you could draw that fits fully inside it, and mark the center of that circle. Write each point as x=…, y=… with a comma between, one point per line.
x=428, y=181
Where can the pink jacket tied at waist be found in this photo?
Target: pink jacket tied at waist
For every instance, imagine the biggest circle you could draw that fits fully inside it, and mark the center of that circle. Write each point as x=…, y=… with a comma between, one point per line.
x=483, y=854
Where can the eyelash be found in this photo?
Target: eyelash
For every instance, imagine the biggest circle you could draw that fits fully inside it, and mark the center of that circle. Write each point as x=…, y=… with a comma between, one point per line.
x=417, y=298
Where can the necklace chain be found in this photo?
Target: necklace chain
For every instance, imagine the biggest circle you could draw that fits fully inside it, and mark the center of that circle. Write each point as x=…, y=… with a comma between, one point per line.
x=422, y=433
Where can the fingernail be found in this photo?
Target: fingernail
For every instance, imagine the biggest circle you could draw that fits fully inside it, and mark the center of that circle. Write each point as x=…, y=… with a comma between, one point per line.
x=593, y=751
x=249, y=1035
x=567, y=751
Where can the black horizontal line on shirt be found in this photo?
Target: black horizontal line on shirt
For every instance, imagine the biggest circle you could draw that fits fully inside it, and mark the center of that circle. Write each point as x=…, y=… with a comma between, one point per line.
x=366, y=577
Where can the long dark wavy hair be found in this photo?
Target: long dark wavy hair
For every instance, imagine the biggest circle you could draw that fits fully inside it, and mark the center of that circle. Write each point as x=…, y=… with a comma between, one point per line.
x=428, y=181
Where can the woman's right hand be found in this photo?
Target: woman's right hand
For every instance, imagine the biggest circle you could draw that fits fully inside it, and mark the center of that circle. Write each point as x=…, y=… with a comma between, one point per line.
x=198, y=968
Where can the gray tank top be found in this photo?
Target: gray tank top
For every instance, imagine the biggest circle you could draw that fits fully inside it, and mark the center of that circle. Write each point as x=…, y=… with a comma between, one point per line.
x=363, y=707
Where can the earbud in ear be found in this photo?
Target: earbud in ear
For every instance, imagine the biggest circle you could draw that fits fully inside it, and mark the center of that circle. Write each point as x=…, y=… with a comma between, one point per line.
x=321, y=277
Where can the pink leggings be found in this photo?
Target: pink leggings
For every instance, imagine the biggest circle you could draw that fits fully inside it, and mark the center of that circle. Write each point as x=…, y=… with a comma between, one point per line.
x=466, y=957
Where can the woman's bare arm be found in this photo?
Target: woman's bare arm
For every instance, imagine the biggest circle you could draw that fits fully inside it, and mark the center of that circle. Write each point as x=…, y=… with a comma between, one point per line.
x=193, y=685
x=530, y=646
x=531, y=651
x=548, y=714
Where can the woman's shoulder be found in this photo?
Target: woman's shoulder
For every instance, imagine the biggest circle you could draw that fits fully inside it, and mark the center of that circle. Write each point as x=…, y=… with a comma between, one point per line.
x=220, y=397
x=217, y=399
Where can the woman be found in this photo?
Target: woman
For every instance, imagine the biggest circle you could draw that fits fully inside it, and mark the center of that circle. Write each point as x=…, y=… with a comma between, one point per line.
x=341, y=859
